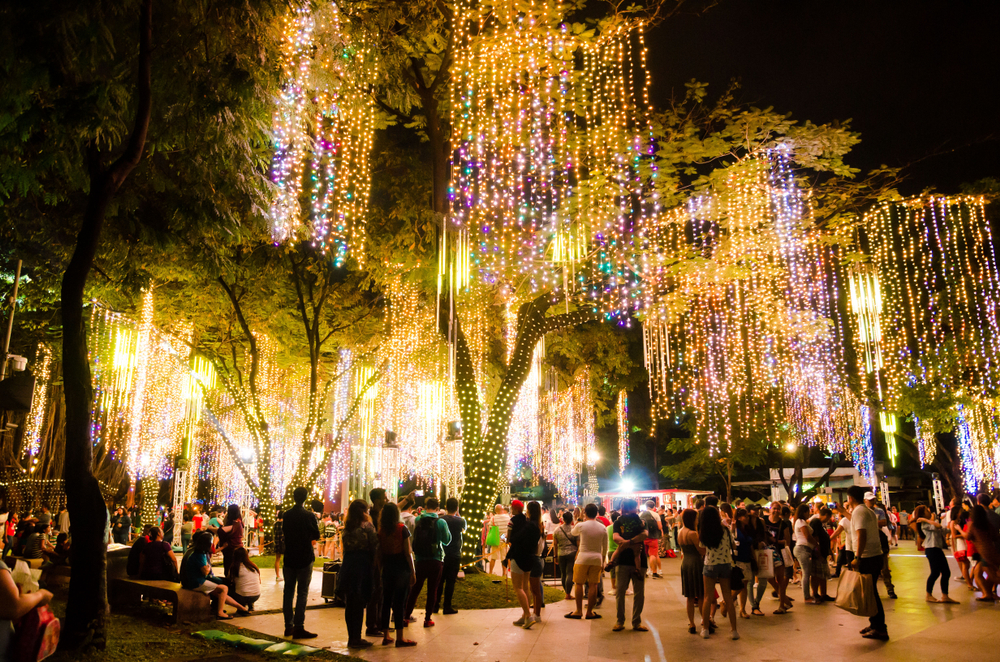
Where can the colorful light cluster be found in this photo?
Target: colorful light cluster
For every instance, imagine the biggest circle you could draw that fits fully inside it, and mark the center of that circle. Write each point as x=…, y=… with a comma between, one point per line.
x=323, y=132
x=622, y=411
x=743, y=329
x=35, y=421
x=551, y=153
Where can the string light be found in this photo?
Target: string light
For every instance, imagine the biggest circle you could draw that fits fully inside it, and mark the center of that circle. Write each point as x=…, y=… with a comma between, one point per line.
x=623, y=431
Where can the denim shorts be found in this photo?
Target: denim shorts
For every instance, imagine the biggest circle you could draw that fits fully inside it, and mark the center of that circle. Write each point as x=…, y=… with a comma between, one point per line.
x=721, y=571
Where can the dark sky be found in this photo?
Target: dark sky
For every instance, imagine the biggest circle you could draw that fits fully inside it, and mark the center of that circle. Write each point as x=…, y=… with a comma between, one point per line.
x=917, y=78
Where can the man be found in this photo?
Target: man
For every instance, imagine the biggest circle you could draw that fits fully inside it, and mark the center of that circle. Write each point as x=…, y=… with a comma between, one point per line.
x=452, y=556
x=374, y=611
x=654, y=532
x=846, y=554
x=629, y=534
x=904, y=524
x=299, y=529
x=45, y=517
x=500, y=520
x=430, y=536
x=406, y=515
x=883, y=528
x=592, y=550
x=63, y=520
x=868, y=550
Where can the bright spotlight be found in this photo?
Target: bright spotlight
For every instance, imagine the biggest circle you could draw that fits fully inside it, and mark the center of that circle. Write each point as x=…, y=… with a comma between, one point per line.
x=628, y=486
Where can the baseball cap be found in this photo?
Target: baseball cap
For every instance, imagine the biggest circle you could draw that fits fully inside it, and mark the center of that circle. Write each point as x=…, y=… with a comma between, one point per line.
x=869, y=496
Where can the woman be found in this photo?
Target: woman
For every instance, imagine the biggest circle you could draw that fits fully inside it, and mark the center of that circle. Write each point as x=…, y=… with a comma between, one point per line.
x=187, y=530
x=196, y=575
x=244, y=577
x=231, y=534
x=718, y=543
x=279, y=544
x=523, y=555
x=157, y=561
x=360, y=549
x=692, y=553
x=397, y=572
x=565, y=543
x=744, y=557
x=956, y=530
x=14, y=605
x=987, y=557
x=930, y=534
x=759, y=535
x=805, y=544
x=541, y=551
x=779, y=537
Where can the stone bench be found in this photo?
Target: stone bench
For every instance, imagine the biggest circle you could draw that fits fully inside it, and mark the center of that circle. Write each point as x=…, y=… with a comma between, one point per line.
x=188, y=605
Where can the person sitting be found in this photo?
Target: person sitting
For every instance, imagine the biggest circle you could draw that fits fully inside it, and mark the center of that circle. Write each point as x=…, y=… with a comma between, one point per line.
x=61, y=556
x=135, y=554
x=37, y=545
x=244, y=577
x=196, y=575
x=156, y=559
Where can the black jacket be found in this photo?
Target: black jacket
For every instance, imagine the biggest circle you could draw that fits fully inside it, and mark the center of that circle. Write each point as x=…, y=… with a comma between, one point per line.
x=300, y=529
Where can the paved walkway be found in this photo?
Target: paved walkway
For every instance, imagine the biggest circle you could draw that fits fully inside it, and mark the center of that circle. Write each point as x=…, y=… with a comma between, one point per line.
x=919, y=631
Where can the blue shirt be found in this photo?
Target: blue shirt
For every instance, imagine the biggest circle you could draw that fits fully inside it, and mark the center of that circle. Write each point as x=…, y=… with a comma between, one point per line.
x=191, y=575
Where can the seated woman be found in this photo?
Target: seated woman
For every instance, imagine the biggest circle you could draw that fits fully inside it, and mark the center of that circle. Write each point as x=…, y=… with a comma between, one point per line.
x=157, y=560
x=14, y=605
x=196, y=575
x=244, y=577
x=37, y=545
x=61, y=556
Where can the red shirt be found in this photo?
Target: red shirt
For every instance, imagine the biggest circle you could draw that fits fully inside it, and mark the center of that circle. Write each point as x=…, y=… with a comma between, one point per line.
x=604, y=520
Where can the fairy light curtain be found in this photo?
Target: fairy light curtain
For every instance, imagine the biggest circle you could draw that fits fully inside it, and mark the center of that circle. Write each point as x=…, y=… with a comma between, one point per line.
x=323, y=129
x=933, y=274
x=549, y=141
x=34, y=423
x=742, y=327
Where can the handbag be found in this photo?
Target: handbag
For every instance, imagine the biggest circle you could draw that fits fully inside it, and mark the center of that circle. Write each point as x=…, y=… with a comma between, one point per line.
x=856, y=594
x=765, y=563
x=493, y=537
x=36, y=635
x=786, y=557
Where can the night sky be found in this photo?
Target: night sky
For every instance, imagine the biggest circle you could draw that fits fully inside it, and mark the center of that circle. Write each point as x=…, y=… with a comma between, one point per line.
x=918, y=79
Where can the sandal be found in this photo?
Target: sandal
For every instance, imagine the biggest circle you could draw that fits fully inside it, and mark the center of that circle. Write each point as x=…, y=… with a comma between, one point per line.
x=743, y=614
x=572, y=615
x=591, y=617
x=781, y=611
x=224, y=617
x=757, y=612
x=387, y=640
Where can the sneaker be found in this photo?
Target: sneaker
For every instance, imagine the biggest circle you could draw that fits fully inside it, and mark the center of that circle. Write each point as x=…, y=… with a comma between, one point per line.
x=428, y=623
x=704, y=633
x=520, y=622
x=302, y=633
x=531, y=621
x=450, y=611
x=735, y=635
x=892, y=595
x=289, y=630
x=877, y=635
x=657, y=575
x=364, y=643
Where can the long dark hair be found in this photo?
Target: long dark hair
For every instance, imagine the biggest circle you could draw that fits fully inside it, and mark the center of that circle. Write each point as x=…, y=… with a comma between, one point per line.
x=710, y=527
x=535, y=514
x=241, y=557
x=741, y=512
x=802, y=512
x=234, y=513
x=959, y=516
x=388, y=520
x=981, y=521
x=918, y=512
x=689, y=518
x=357, y=513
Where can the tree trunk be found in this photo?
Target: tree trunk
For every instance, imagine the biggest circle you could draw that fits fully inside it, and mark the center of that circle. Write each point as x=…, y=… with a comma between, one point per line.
x=86, y=609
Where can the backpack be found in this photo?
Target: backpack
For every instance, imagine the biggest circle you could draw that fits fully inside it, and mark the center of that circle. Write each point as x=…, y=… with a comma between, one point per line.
x=36, y=635
x=425, y=538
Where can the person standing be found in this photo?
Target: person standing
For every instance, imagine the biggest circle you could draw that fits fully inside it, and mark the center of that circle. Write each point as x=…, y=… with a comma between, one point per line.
x=123, y=528
x=869, y=559
x=397, y=573
x=500, y=520
x=430, y=536
x=360, y=550
x=883, y=536
x=300, y=531
x=654, y=532
x=589, y=561
x=452, y=556
x=846, y=553
x=230, y=532
x=279, y=544
x=630, y=534
x=717, y=540
x=566, y=548
x=374, y=616
x=805, y=544
x=931, y=534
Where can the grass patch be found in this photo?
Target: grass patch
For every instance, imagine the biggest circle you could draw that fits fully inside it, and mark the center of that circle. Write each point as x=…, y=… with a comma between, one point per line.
x=477, y=591
x=144, y=636
x=267, y=561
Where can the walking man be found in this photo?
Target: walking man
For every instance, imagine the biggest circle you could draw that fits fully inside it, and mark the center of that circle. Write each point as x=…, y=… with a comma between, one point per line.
x=452, y=556
x=300, y=531
x=869, y=561
x=654, y=531
x=630, y=534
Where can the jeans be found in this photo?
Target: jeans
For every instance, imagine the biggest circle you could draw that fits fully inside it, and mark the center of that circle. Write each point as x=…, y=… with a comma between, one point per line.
x=566, y=572
x=296, y=577
x=429, y=571
x=626, y=574
x=939, y=567
x=449, y=575
x=873, y=566
x=247, y=601
x=887, y=574
x=395, y=590
x=844, y=557
x=375, y=601
x=357, y=578
x=185, y=540
x=804, y=554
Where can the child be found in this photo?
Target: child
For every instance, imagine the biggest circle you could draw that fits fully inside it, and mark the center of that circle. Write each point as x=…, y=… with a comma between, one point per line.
x=244, y=577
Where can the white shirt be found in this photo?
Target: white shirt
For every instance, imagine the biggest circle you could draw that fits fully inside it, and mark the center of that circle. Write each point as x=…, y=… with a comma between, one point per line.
x=593, y=546
x=248, y=582
x=409, y=520
x=800, y=538
x=501, y=521
x=845, y=524
x=864, y=518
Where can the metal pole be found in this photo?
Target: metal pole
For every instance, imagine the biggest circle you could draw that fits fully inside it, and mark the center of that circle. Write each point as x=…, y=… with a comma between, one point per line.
x=10, y=321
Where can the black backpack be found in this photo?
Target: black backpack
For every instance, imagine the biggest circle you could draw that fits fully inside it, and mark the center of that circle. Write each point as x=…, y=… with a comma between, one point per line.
x=425, y=539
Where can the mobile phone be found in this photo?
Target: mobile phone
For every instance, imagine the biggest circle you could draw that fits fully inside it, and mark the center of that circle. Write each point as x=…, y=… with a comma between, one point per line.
x=419, y=493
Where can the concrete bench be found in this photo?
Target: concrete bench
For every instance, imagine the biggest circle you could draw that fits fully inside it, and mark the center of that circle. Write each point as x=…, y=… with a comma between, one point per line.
x=188, y=605
x=34, y=564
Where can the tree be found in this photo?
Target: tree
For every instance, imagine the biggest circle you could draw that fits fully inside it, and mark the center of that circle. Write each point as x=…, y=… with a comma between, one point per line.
x=793, y=486
x=699, y=462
